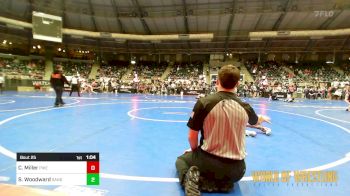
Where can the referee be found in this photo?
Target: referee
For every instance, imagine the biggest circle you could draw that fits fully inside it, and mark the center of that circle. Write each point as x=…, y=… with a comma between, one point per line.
x=75, y=85
x=221, y=118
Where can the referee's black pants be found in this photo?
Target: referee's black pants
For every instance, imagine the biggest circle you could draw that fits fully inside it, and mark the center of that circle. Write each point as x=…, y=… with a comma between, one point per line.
x=75, y=87
x=212, y=168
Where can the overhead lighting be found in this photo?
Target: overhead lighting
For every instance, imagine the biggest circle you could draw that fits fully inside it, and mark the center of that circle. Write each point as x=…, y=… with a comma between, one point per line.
x=64, y=50
x=5, y=41
x=329, y=62
x=34, y=47
x=39, y=46
x=59, y=49
x=10, y=43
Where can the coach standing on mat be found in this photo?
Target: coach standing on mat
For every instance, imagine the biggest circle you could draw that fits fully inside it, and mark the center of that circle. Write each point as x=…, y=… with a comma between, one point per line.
x=218, y=161
x=57, y=81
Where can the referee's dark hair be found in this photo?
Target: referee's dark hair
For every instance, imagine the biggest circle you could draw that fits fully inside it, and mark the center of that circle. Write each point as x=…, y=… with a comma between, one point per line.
x=229, y=75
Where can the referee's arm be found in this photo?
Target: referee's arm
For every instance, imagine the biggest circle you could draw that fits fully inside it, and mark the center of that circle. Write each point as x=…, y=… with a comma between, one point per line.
x=193, y=138
x=195, y=123
x=255, y=119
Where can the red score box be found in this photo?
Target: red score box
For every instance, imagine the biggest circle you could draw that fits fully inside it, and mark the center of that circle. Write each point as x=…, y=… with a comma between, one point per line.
x=93, y=167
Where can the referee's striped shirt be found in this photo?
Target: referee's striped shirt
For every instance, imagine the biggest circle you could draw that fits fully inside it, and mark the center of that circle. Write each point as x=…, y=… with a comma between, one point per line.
x=222, y=119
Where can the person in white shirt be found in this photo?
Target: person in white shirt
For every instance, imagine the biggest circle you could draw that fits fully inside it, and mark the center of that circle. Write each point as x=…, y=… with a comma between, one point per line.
x=75, y=85
x=338, y=93
x=336, y=83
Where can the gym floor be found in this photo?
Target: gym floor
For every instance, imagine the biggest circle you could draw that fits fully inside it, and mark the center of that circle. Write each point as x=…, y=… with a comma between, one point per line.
x=140, y=136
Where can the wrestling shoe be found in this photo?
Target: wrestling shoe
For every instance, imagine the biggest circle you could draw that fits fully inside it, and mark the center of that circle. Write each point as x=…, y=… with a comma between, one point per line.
x=266, y=130
x=250, y=133
x=191, y=182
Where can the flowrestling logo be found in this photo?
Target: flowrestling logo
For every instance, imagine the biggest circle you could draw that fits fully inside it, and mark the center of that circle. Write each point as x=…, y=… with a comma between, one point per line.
x=295, y=177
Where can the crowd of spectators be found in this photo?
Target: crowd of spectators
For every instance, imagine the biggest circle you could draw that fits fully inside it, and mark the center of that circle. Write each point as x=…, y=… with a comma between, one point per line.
x=187, y=77
x=308, y=80
x=146, y=78
x=108, y=78
x=186, y=71
x=148, y=71
x=314, y=72
x=346, y=68
x=182, y=77
x=22, y=69
x=268, y=77
x=75, y=68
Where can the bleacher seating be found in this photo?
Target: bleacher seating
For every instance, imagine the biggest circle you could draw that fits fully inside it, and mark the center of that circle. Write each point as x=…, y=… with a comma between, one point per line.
x=23, y=69
x=74, y=68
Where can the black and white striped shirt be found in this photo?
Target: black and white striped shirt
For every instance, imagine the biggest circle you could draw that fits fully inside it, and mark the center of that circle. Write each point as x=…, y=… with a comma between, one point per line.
x=222, y=119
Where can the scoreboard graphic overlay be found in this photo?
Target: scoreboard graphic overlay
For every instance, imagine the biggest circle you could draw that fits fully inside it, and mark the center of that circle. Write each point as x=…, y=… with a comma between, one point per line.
x=57, y=169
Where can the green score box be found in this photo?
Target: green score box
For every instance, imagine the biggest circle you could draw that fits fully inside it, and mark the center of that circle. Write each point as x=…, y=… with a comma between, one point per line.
x=92, y=179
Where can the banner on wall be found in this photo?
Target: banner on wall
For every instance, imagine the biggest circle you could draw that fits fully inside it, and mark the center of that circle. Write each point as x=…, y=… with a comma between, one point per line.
x=41, y=82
